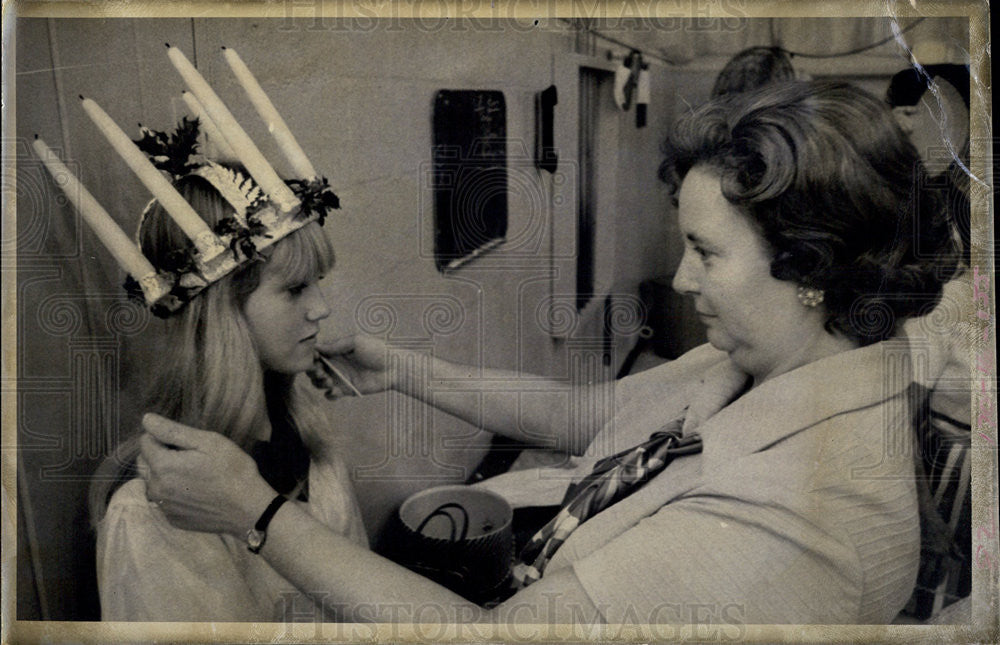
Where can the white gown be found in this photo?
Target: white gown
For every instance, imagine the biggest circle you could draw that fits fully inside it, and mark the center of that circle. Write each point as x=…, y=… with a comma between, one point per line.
x=147, y=570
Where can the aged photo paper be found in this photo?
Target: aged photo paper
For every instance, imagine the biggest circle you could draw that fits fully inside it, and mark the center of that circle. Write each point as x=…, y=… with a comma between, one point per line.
x=497, y=205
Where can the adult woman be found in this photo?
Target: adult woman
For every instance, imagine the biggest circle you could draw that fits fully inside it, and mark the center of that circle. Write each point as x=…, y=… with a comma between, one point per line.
x=229, y=362
x=800, y=229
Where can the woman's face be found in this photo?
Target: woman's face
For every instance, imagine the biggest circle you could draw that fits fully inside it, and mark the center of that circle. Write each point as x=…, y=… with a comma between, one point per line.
x=748, y=313
x=284, y=320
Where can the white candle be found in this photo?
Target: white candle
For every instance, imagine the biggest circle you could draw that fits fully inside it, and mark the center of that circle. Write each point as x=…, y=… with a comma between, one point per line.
x=275, y=124
x=125, y=252
x=244, y=147
x=220, y=148
x=168, y=197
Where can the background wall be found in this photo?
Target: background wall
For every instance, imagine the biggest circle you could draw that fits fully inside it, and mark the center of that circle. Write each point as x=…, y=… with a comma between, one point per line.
x=360, y=103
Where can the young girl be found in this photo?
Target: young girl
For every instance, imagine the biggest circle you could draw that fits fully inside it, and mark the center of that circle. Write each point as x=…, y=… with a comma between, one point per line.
x=229, y=361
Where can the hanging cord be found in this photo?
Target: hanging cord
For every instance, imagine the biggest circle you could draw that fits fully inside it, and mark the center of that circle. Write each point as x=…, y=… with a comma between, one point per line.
x=666, y=61
x=615, y=41
x=859, y=49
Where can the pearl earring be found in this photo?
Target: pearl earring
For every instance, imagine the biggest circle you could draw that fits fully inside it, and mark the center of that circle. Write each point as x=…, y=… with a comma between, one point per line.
x=810, y=297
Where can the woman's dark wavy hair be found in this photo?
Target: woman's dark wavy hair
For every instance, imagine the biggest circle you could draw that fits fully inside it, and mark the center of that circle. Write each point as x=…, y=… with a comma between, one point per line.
x=753, y=68
x=836, y=189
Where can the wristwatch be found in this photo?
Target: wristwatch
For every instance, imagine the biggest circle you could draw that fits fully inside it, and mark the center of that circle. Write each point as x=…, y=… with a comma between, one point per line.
x=258, y=534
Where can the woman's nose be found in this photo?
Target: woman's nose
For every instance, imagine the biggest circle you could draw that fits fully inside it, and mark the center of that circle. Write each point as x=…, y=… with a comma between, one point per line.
x=317, y=308
x=684, y=281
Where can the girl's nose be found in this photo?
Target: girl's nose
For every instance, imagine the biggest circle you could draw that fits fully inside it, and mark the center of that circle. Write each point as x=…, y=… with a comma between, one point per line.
x=317, y=307
x=684, y=281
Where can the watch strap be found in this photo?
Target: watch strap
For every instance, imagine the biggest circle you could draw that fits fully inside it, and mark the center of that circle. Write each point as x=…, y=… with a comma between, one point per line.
x=258, y=534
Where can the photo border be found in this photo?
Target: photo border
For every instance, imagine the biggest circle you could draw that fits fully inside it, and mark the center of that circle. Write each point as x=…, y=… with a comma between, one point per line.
x=985, y=594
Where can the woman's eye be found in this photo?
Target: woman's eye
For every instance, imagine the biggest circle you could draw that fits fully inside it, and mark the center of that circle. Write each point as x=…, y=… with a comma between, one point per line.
x=297, y=289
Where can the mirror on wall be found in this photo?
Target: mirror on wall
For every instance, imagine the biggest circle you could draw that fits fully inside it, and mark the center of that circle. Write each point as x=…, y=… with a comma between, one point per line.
x=469, y=175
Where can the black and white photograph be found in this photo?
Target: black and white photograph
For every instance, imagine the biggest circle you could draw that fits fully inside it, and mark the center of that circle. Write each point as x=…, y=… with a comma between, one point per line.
x=498, y=321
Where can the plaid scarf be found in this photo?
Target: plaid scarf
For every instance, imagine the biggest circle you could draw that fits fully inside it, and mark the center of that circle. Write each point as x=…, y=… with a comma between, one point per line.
x=613, y=478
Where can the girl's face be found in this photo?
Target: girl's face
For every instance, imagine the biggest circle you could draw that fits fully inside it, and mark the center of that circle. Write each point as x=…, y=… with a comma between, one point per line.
x=284, y=320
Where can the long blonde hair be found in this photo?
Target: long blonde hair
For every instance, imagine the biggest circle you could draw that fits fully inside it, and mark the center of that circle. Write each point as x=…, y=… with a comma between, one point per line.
x=210, y=375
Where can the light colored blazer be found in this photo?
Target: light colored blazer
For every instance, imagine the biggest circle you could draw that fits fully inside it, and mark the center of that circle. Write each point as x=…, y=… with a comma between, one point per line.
x=943, y=343
x=801, y=508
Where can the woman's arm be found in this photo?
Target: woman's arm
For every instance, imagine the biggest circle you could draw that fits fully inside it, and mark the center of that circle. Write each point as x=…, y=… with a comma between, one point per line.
x=527, y=408
x=361, y=586
x=355, y=583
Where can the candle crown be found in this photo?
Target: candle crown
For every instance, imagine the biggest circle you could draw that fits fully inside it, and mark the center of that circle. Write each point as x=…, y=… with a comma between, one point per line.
x=266, y=209
x=256, y=222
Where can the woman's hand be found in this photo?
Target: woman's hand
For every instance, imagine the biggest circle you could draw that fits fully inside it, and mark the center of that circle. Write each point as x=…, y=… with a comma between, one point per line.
x=361, y=360
x=201, y=480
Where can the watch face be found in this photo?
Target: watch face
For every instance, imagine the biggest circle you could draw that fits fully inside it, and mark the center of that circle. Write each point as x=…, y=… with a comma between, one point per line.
x=255, y=540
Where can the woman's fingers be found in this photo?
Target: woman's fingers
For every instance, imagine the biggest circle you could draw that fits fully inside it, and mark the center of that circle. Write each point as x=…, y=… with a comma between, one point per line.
x=323, y=379
x=336, y=347
x=200, y=480
x=334, y=392
x=175, y=435
x=360, y=351
x=149, y=445
x=355, y=366
x=158, y=467
x=319, y=378
x=154, y=454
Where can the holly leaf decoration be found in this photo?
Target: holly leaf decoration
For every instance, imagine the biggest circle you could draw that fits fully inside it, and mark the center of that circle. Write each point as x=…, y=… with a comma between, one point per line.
x=159, y=309
x=255, y=226
x=241, y=240
x=226, y=226
x=153, y=142
x=134, y=290
x=172, y=152
x=179, y=261
x=247, y=246
x=184, y=293
x=316, y=197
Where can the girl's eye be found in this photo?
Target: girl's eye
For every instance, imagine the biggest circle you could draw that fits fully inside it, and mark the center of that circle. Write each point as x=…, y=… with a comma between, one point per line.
x=297, y=289
x=704, y=255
